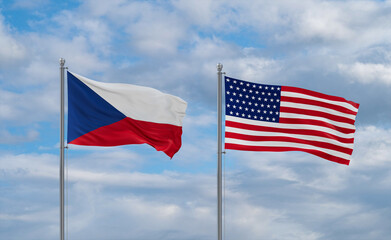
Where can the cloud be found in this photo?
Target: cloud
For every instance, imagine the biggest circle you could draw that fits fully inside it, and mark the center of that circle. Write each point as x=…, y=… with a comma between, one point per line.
x=21, y=108
x=315, y=21
x=26, y=4
x=156, y=33
x=173, y=202
x=8, y=138
x=11, y=50
x=371, y=148
x=149, y=29
x=268, y=195
x=368, y=73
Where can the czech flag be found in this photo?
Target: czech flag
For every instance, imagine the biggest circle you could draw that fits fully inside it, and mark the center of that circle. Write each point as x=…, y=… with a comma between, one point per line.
x=113, y=114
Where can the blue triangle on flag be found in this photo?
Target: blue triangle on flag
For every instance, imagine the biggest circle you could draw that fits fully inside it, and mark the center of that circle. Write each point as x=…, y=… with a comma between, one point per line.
x=87, y=110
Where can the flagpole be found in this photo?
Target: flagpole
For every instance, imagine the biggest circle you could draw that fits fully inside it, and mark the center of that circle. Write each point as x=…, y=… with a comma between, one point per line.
x=62, y=68
x=219, y=152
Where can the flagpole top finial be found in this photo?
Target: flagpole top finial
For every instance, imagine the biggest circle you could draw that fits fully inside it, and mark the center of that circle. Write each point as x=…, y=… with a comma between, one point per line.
x=219, y=67
x=62, y=61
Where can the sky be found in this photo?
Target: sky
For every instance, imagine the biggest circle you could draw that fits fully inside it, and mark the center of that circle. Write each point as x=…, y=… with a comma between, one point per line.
x=133, y=192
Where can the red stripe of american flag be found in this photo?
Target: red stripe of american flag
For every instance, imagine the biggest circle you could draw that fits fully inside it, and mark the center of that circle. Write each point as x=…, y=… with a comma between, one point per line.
x=312, y=122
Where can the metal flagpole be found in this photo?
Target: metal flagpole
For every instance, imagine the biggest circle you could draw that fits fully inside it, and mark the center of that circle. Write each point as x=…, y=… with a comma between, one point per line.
x=62, y=68
x=219, y=152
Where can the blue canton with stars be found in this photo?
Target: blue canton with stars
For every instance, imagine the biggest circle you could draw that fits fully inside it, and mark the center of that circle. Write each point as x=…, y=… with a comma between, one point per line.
x=252, y=100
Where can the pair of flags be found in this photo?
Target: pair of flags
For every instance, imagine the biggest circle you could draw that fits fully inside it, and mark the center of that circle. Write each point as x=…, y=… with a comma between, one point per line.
x=259, y=117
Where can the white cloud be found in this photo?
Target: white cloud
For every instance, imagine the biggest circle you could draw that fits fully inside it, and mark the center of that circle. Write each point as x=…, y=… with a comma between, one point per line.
x=104, y=158
x=204, y=120
x=29, y=4
x=371, y=148
x=253, y=68
x=151, y=29
x=315, y=21
x=367, y=73
x=9, y=138
x=11, y=49
x=256, y=222
x=156, y=33
x=95, y=31
x=21, y=108
x=30, y=166
x=76, y=51
x=282, y=199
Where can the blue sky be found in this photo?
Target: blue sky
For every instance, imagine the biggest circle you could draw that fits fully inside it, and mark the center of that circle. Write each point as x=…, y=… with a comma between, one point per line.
x=340, y=48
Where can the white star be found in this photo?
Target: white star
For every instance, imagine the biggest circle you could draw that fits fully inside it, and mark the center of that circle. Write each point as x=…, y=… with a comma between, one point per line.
x=244, y=102
x=249, y=116
x=241, y=83
x=246, y=109
x=234, y=81
x=247, y=96
x=248, y=85
x=228, y=105
x=231, y=112
x=234, y=93
x=234, y=106
x=266, y=87
x=250, y=103
x=272, y=88
x=268, y=106
x=240, y=107
x=252, y=110
x=237, y=114
x=263, y=93
x=227, y=79
x=267, y=118
x=240, y=95
x=243, y=114
x=254, y=86
x=228, y=92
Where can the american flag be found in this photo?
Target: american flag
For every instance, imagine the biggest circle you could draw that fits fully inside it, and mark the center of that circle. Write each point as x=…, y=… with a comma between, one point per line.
x=261, y=117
